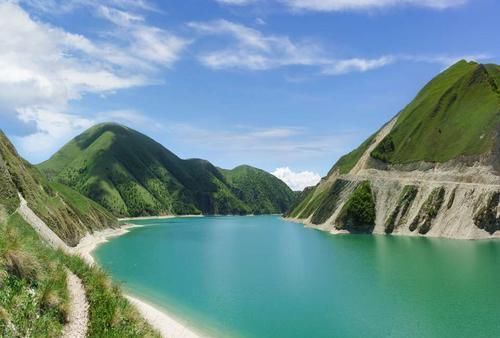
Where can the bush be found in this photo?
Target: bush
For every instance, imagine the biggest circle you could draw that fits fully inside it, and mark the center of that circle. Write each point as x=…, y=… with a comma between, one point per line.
x=358, y=214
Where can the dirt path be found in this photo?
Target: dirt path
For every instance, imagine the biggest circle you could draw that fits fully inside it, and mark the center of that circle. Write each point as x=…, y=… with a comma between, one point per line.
x=40, y=227
x=78, y=316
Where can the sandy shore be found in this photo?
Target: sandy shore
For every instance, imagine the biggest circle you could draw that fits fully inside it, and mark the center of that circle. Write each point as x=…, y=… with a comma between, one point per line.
x=161, y=321
x=164, y=323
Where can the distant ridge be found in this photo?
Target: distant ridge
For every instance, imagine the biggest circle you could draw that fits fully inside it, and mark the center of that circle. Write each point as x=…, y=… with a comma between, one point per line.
x=130, y=174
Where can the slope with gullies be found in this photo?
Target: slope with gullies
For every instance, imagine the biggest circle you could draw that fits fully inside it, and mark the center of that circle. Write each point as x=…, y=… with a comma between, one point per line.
x=431, y=171
x=36, y=299
x=130, y=174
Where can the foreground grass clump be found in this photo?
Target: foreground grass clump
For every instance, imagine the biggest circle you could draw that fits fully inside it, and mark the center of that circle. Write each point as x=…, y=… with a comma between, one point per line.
x=34, y=298
x=111, y=315
x=358, y=214
x=33, y=292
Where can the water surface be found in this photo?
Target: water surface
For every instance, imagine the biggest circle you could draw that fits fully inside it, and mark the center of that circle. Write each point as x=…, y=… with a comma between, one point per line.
x=265, y=277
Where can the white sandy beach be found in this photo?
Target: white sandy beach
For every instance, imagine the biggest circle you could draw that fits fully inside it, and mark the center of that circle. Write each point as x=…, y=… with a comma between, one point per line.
x=164, y=323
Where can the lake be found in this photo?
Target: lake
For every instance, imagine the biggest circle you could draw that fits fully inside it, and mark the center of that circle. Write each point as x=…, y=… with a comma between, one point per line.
x=262, y=276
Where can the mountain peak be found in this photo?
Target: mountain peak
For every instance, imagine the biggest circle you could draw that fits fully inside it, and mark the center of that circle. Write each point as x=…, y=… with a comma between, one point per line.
x=130, y=174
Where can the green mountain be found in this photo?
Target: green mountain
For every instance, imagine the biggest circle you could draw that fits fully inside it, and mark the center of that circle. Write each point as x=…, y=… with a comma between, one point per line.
x=69, y=214
x=456, y=116
x=132, y=175
x=261, y=192
x=442, y=147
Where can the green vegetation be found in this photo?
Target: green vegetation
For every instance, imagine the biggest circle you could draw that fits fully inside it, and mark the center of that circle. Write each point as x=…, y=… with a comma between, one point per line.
x=67, y=213
x=33, y=293
x=486, y=217
x=454, y=115
x=428, y=211
x=34, y=298
x=261, y=192
x=358, y=214
x=330, y=202
x=111, y=315
x=405, y=201
x=130, y=174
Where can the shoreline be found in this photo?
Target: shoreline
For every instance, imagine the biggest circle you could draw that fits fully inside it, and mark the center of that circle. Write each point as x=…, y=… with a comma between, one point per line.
x=155, y=217
x=159, y=319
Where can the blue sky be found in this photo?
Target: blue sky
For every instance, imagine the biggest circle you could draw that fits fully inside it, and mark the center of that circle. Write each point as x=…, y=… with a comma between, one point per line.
x=271, y=83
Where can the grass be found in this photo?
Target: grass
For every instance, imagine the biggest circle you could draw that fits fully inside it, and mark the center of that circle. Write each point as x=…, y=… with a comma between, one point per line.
x=456, y=114
x=111, y=315
x=33, y=293
x=358, y=213
x=132, y=175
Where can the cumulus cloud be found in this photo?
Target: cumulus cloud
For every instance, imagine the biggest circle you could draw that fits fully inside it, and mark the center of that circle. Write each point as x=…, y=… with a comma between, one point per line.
x=297, y=181
x=44, y=68
x=359, y=5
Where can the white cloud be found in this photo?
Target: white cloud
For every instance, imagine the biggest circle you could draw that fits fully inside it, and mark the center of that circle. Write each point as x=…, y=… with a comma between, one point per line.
x=236, y=2
x=358, y=5
x=297, y=181
x=254, y=50
x=44, y=68
x=357, y=64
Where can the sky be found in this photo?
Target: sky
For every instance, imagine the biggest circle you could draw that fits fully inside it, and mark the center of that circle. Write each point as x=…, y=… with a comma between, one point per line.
x=288, y=86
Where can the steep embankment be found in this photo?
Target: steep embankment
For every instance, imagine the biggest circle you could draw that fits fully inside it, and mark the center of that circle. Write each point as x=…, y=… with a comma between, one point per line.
x=132, y=175
x=433, y=170
x=66, y=213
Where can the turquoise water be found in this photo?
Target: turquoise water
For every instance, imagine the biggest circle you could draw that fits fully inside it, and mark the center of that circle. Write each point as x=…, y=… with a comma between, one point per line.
x=265, y=277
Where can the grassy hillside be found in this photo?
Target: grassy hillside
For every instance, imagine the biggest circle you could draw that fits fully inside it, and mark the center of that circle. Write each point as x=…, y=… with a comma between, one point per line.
x=130, y=174
x=67, y=213
x=34, y=299
x=262, y=192
x=456, y=114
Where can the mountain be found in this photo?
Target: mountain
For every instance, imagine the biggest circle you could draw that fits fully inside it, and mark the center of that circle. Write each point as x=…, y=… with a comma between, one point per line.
x=130, y=174
x=432, y=170
x=69, y=214
x=261, y=192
